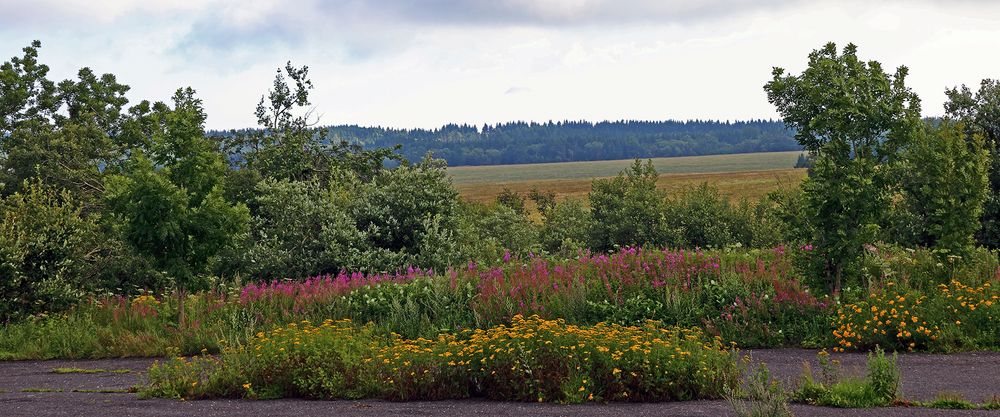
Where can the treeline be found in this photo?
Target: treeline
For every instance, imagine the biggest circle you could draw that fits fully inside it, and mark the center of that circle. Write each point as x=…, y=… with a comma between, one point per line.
x=566, y=141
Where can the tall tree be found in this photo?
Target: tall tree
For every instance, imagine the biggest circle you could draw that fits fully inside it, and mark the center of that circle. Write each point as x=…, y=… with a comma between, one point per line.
x=980, y=113
x=170, y=204
x=853, y=118
x=65, y=134
x=944, y=184
x=288, y=146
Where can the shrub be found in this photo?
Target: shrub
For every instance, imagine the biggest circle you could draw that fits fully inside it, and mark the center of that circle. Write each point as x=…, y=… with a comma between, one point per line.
x=703, y=217
x=47, y=249
x=566, y=230
x=878, y=389
x=760, y=397
x=531, y=360
x=628, y=210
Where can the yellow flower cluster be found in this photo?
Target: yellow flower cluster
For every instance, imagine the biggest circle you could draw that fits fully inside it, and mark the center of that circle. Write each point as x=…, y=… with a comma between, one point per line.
x=146, y=300
x=575, y=356
x=962, y=299
x=900, y=319
x=531, y=359
x=889, y=318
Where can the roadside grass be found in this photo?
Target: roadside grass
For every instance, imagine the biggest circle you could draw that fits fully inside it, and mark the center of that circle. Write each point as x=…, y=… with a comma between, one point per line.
x=880, y=388
x=89, y=371
x=533, y=359
x=103, y=391
x=34, y=389
x=951, y=401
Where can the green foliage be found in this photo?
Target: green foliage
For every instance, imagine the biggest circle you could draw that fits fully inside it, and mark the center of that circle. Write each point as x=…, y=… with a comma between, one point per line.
x=628, y=210
x=512, y=200
x=944, y=184
x=878, y=389
x=494, y=229
x=289, y=147
x=62, y=133
x=392, y=212
x=760, y=397
x=852, y=118
x=170, y=207
x=337, y=359
x=544, y=201
x=299, y=228
x=566, y=229
x=980, y=112
x=48, y=251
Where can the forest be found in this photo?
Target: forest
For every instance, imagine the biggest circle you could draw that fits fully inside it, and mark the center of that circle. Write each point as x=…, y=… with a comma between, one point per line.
x=565, y=141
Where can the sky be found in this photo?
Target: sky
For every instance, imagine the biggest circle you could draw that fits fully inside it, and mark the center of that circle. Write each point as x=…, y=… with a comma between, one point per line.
x=424, y=63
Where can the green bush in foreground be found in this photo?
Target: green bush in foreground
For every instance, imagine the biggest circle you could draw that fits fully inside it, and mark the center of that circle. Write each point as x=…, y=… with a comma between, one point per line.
x=531, y=360
x=878, y=389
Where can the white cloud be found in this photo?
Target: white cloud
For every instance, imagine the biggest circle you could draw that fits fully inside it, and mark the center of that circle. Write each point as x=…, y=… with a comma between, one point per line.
x=403, y=63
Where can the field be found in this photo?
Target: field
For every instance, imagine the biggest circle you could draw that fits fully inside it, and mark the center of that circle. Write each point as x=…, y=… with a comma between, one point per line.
x=736, y=176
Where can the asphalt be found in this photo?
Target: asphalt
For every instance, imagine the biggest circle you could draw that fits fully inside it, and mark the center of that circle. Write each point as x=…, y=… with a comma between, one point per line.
x=976, y=376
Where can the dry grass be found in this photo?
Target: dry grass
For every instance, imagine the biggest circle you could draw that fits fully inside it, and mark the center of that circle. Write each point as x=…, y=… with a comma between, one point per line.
x=751, y=185
x=588, y=170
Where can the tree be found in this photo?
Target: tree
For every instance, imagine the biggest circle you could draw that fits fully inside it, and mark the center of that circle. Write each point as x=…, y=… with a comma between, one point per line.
x=288, y=146
x=170, y=204
x=980, y=114
x=628, y=210
x=852, y=118
x=65, y=134
x=944, y=185
x=47, y=251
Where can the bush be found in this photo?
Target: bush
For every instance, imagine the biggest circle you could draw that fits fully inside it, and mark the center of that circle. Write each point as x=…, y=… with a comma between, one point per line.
x=566, y=229
x=299, y=229
x=47, y=252
x=878, y=389
x=491, y=230
x=761, y=396
x=628, y=210
x=531, y=360
x=702, y=216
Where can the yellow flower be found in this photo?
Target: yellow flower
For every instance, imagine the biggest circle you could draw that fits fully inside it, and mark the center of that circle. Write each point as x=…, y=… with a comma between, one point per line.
x=246, y=386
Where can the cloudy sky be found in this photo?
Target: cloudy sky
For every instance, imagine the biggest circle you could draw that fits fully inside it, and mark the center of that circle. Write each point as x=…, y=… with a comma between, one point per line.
x=422, y=63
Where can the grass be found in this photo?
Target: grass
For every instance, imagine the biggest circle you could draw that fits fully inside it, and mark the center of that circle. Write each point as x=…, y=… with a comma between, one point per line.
x=89, y=371
x=751, y=185
x=951, y=401
x=879, y=388
x=586, y=170
x=103, y=391
x=41, y=390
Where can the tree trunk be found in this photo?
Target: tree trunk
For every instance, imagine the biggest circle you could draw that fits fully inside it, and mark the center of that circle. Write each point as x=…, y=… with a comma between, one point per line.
x=838, y=271
x=180, y=307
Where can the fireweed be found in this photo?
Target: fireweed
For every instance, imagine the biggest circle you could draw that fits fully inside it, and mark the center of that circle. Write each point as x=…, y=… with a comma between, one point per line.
x=754, y=298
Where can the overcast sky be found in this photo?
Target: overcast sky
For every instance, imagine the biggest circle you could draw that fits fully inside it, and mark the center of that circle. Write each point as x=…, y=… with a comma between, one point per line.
x=413, y=63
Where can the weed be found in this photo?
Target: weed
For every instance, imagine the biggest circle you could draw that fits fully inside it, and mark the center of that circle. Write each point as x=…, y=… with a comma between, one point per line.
x=951, y=401
x=760, y=397
x=878, y=389
x=89, y=371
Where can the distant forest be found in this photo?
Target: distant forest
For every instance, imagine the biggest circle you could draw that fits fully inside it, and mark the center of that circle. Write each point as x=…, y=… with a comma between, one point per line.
x=531, y=142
